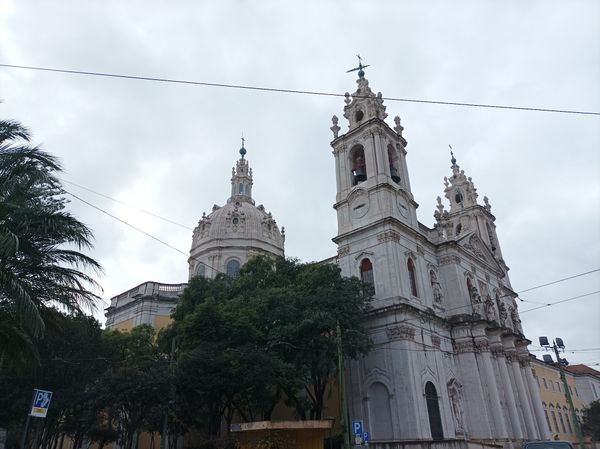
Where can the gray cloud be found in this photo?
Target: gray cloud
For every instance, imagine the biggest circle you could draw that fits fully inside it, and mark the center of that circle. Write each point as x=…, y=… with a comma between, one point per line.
x=170, y=148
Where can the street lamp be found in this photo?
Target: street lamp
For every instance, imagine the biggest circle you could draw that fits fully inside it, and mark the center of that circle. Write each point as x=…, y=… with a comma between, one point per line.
x=557, y=344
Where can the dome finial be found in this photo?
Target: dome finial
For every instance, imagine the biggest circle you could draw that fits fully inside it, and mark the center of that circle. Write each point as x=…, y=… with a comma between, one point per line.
x=243, y=150
x=360, y=68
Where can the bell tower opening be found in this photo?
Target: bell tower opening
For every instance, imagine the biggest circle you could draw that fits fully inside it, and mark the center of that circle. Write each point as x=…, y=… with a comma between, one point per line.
x=358, y=164
x=393, y=160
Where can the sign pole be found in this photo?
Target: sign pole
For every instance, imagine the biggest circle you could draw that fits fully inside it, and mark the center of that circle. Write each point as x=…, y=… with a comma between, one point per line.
x=26, y=429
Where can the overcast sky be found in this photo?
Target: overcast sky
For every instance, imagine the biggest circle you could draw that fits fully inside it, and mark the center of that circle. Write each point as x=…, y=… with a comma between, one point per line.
x=169, y=148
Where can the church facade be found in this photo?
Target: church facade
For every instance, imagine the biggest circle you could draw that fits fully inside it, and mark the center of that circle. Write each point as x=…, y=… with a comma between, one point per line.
x=449, y=359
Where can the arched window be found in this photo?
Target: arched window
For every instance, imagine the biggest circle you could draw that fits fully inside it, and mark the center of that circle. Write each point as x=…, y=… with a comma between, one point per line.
x=359, y=166
x=393, y=160
x=562, y=421
x=546, y=415
x=458, y=229
x=568, y=419
x=553, y=416
x=366, y=274
x=410, y=266
x=200, y=269
x=233, y=268
x=241, y=189
x=433, y=410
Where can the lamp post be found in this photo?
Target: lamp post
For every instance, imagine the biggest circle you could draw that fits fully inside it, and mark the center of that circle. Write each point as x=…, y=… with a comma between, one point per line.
x=557, y=344
x=342, y=382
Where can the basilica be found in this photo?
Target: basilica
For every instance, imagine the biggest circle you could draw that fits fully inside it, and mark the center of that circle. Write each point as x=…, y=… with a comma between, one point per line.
x=449, y=360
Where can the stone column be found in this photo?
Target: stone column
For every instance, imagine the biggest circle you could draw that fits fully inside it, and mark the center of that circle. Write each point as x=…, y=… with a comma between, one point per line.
x=483, y=349
x=534, y=393
x=523, y=398
x=509, y=397
x=477, y=420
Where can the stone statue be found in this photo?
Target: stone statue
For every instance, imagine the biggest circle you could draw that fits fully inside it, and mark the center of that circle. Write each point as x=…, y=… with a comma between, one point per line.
x=475, y=299
x=503, y=313
x=457, y=413
x=489, y=308
x=437, y=288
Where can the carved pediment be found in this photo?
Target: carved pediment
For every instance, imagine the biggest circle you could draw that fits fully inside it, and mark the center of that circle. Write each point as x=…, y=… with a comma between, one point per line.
x=473, y=244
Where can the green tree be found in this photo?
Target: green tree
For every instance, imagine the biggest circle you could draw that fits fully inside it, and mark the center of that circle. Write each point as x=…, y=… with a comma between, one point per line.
x=591, y=421
x=40, y=244
x=270, y=334
x=68, y=365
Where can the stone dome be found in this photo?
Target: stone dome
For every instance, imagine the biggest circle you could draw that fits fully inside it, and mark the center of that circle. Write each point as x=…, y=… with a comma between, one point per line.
x=231, y=234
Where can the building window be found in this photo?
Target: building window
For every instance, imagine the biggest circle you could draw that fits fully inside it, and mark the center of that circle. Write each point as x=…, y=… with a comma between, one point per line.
x=410, y=266
x=546, y=415
x=593, y=388
x=568, y=419
x=233, y=268
x=433, y=410
x=562, y=422
x=558, y=387
x=366, y=275
x=545, y=383
x=553, y=415
x=200, y=269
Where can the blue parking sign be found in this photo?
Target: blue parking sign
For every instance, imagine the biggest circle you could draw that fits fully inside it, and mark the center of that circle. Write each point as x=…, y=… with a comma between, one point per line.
x=357, y=427
x=366, y=437
x=41, y=402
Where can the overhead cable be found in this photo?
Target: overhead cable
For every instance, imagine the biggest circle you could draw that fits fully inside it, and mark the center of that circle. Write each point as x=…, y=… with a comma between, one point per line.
x=293, y=91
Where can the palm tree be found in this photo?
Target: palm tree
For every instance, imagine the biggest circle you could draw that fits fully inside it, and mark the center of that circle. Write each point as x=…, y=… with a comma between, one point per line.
x=40, y=243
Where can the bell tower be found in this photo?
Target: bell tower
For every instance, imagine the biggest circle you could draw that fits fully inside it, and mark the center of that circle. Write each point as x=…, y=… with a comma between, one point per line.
x=374, y=203
x=466, y=214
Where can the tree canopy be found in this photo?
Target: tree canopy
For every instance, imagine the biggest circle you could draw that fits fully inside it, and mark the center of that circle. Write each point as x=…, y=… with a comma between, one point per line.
x=269, y=335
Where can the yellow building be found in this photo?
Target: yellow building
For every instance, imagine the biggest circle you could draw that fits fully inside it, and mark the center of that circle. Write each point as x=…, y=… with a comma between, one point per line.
x=554, y=401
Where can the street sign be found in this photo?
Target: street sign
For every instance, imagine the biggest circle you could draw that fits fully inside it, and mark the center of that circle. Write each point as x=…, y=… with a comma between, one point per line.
x=366, y=437
x=41, y=402
x=357, y=428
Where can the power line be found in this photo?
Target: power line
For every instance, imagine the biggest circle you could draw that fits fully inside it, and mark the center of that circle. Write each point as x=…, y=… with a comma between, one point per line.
x=557, y=281
x=293, y=91
x=128, y=205
x=140, y=230
x=561, y=301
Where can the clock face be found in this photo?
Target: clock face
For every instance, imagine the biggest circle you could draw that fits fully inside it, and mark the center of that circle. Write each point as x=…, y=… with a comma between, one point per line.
x=359, y=204
x=403, y=207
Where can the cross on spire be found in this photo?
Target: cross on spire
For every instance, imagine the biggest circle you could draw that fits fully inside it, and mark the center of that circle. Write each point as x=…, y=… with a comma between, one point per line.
x=360, y=68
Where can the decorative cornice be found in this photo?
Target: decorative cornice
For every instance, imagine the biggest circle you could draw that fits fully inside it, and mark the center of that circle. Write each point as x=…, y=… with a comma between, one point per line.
x=481, y=346
x=497, y=350
x=388, y=236
x=448, y=260
x=343, y=251
x=400, y=332
x=462, y=347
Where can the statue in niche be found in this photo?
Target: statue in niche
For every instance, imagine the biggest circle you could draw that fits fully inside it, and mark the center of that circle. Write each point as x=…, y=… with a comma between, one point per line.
x=503, y=313
x=489, y=308
x=514, y=316
x=455, y=401
x=476, y=299
x=437, y=288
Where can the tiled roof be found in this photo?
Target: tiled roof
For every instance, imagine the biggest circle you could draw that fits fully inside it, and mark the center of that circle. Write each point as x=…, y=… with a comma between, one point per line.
x=582, y=369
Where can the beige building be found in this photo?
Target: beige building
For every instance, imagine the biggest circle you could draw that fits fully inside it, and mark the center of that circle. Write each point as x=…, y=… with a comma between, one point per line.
x=554, y=401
